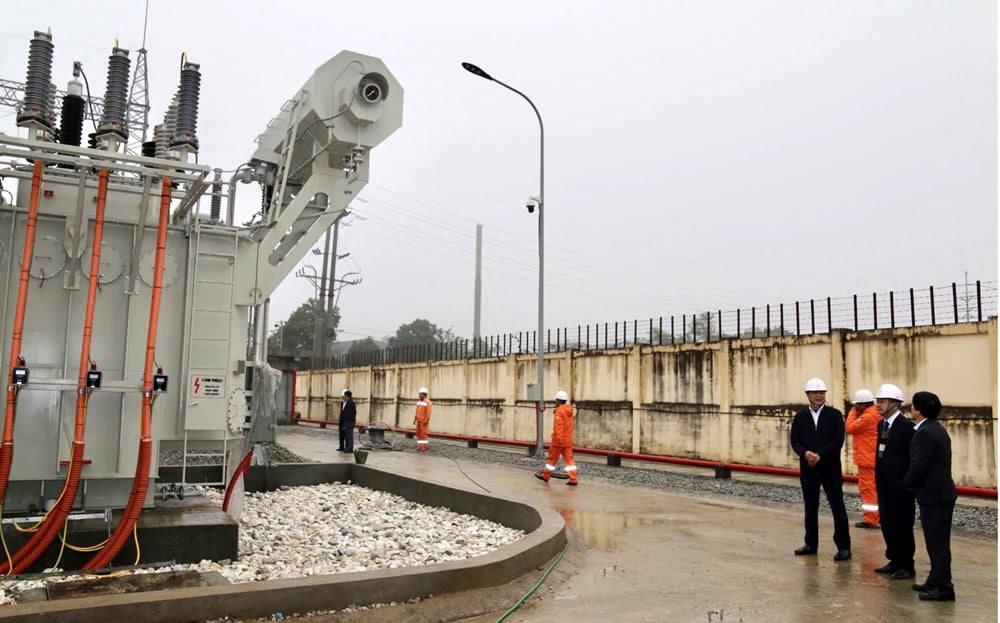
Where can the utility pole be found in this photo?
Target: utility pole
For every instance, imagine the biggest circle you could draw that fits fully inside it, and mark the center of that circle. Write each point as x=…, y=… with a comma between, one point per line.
x=477, y=310
x=333, y=281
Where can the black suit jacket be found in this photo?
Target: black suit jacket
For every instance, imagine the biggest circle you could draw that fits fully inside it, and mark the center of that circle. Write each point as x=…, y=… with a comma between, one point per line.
x=825, y=438
x=348, y=412
x=929, y=475
x=895, y=460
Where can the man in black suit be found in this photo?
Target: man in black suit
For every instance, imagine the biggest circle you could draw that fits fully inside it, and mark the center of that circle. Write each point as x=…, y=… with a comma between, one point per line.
x=930, y=477
x=817, y=437
x=348, y=417
x=895, y=503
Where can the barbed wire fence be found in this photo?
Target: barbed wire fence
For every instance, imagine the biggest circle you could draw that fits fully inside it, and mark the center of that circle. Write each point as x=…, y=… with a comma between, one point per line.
x=951, y=304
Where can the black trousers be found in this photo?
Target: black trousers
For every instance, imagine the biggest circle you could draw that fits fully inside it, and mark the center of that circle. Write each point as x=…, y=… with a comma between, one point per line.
x=833, y=485
x=935, y=519
x=346, y=435
x=897, y=513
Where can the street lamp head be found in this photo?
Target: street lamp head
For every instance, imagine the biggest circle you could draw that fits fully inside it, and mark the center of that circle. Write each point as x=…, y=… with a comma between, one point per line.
x=472, y=69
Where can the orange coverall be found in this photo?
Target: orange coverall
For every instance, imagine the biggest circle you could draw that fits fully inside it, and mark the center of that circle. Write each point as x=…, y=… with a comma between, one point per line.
x=863, y=427
x=422, y=419
x=562, y=443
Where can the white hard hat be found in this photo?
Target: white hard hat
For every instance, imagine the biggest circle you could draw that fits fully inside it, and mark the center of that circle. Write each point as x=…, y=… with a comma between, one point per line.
x=343, y=393
x=561, y=395
x=864, y=395
x=815, y=385
x=422, y=390
x=890, y=391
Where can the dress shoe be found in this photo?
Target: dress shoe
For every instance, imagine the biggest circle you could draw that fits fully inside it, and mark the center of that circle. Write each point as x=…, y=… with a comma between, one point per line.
x=842, y=554
x=939, y=593
x=886, y=568
x=922, y=588
x=903, y=574
x=805, y=550
x=865, y=524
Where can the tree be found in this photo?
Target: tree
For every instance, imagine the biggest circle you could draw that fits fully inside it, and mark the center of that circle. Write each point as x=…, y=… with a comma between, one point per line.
x=363, y=346
x=297, y=332
x=419, y=331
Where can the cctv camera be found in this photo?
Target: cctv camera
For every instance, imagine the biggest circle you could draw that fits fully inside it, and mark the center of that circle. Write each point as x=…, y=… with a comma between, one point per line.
x=531, y=207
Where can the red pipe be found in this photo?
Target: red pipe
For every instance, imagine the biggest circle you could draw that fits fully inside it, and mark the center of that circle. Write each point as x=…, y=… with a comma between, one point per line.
x=140, y=482
x=7, y=443
x=240, y=470
x=655, y=458
x=53, y=521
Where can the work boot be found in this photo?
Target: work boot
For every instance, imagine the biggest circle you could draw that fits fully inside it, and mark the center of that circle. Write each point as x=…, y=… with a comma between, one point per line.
x=572, y=483
x=542, y=476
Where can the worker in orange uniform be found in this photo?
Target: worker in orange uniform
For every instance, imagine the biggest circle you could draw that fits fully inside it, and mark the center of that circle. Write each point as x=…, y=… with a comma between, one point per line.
x=422, y=419
x=562, y=441
x=862, y=424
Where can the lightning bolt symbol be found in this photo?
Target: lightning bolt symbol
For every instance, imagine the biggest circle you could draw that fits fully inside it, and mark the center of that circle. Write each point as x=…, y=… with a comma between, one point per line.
x=197, y=384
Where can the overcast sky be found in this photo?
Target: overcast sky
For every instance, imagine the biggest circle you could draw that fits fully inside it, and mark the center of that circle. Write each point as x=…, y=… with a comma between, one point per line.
x=700, y=155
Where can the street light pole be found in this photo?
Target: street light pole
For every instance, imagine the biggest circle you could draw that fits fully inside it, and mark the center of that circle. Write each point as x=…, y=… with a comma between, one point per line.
x=540, y=205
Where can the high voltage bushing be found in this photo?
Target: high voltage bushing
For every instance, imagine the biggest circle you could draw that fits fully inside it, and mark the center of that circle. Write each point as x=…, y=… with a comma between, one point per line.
x=37, y=104
x=71, y=118
x=187, y=107
x=116, y=95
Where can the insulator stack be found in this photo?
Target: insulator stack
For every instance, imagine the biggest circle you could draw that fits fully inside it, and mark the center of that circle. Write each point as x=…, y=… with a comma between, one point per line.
x=36, y=107
x=187, y=107
x=71, y=118
x=115, y=119
x=216, y=212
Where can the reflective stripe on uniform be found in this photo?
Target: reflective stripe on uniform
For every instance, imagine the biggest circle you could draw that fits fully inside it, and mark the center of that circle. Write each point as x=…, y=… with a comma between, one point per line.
x=422, y=442
x=550, y=467
x=869, y=507
x=421, y=404
x=571, y=468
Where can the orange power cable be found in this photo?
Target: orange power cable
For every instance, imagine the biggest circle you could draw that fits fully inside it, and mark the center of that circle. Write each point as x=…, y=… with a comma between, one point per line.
x=52, y=524
x=140, y=483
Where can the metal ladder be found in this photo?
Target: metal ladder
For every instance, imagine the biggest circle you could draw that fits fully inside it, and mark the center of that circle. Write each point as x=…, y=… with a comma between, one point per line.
x=214, y=270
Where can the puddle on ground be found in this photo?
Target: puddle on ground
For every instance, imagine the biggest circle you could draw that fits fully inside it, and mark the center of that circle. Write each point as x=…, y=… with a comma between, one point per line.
x=600, y=529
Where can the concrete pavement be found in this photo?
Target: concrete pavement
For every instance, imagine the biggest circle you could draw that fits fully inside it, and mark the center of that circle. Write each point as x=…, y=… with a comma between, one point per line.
x=656, y=556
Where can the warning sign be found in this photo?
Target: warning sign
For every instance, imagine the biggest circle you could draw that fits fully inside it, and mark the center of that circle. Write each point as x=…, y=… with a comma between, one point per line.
x=206, y=386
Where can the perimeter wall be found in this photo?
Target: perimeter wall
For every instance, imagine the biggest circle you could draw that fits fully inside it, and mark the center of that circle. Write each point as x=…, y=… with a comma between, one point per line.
x=729, y=401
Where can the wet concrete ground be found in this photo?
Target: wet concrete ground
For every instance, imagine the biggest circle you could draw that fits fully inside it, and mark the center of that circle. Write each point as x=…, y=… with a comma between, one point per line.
x=655, y=556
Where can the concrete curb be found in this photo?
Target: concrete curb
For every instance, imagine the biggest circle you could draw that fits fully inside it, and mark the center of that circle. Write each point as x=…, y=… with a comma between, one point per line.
x=544, y=539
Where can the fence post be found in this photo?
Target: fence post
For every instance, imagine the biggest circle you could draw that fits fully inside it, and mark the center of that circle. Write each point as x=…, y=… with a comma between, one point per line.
x=855, y=312
x=671, y=330
x=979, y=300
x=660, y=339
x=684, y=329
x=933, y=318
x=753, y=322
x=875, y=310
x=738, y=334
x=892, y=310
x=635, y=332
x=913, y=311
x=797, y=318
x=812, y=316
x=829, y=316
x=954, y=300
x=768, y=326
x=781, y=318
x=720, y=325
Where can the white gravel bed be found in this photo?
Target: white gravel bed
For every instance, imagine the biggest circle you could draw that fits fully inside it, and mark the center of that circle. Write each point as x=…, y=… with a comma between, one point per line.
x=327, y=529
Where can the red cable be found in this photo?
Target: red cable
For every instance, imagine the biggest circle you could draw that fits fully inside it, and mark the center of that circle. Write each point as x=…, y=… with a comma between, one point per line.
x=40, y=541
x=7, y=444
x=140, y=483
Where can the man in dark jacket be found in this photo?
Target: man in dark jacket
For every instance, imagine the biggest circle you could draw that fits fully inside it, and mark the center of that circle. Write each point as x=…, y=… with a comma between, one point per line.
x=348, y=417
x=895, y=503
x=929, y=476
x=817, y=437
